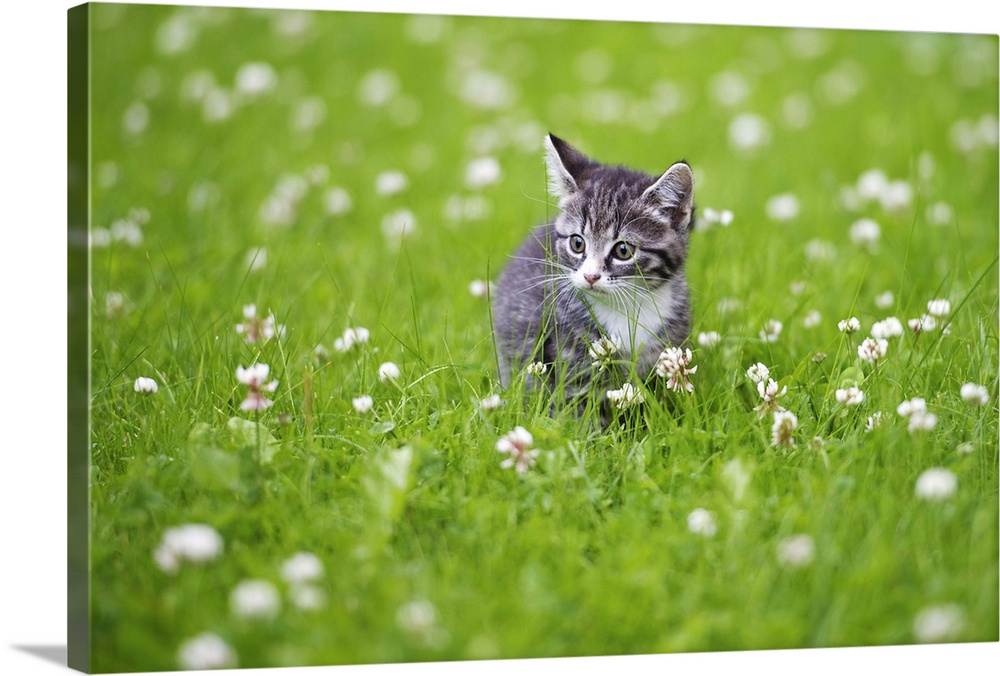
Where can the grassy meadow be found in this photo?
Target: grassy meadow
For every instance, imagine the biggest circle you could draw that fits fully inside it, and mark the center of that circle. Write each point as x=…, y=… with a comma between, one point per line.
x=328, y=193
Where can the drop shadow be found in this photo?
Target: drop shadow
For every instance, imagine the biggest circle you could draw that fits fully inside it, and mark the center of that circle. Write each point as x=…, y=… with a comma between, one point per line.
x=50, y=653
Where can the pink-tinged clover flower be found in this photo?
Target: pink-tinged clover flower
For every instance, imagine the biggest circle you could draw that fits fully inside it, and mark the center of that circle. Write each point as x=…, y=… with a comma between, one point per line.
x=673, y=364
x=517, y=444
x=783, y=428
x=254, y=378
x=922, y=323
x=872, y=349
x=257, y=328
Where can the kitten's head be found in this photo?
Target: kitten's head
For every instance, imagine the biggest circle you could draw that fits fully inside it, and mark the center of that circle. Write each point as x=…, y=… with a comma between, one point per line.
x=618, y=228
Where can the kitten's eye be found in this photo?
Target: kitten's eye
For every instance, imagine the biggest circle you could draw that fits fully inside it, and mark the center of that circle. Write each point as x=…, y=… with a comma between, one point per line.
x=577, y=244
x=623, y=251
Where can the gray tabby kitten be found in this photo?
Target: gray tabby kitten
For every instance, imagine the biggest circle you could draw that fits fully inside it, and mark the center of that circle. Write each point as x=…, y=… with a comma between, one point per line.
x=611, y=265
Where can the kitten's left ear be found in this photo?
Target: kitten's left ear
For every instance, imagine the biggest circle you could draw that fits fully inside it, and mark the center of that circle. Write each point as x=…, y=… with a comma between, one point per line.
x=673, y=196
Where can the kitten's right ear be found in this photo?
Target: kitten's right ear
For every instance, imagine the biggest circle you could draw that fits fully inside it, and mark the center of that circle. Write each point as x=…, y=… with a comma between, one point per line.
x=564, y=164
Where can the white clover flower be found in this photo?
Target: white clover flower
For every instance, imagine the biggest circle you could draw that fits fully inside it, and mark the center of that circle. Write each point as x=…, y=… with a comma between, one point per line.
x=911, y=406
x=708, y=339
x=517, y=444
x=255, y=599
x=940, y=213
x=302, y=567
x=362, y=404
x=391, y=182
x=711, y=217
x=307, y=597
x=865, y=232
x=537, y=368
x=399, y=223
x=194, y=542
x=938, y=308
x=701, y=522
x=849, y=325
x=874, y=421
x=785, y=424
x=796, y=551
x=939, y=624
x=872, y=349
x=674, y=365
x=812, y=319
x=337, y=201
x=254, y=377
x=872, y=183
x=482, y=172
x=115, y=303
x=965, y=448
x=256, y=258
x=603, y=350
x=923, y=323
x=378, y=87
x=851, y=396
x=897, y=196
x=490, y=403
x=977, y=395
x=254, y=79
x=884, y=300
x=355, y=335
x=206, y=651
x=144, y=385
x=388, y=371
x=922, y=421
x=820, y=250
x=748, y=131
x=626, y=397
x=416, y=617
x=758, y=373
x=771, y=331
x=480, y=288
x=783, y=207
x=935, y=484
x=890, y=327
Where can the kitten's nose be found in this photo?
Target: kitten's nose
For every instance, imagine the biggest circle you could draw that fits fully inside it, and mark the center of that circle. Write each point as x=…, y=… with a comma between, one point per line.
x=591, y=279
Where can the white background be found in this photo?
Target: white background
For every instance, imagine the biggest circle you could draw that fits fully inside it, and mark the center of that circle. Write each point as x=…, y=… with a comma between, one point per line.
x=33, y=377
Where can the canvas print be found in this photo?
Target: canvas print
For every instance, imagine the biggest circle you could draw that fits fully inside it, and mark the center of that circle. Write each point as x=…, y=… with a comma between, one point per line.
x=403, y=338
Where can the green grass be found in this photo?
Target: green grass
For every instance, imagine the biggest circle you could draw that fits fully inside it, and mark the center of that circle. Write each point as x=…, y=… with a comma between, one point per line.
x=589, y=552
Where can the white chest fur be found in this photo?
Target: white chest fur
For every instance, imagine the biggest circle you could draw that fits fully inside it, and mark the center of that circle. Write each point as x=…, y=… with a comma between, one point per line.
x=636, y=318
